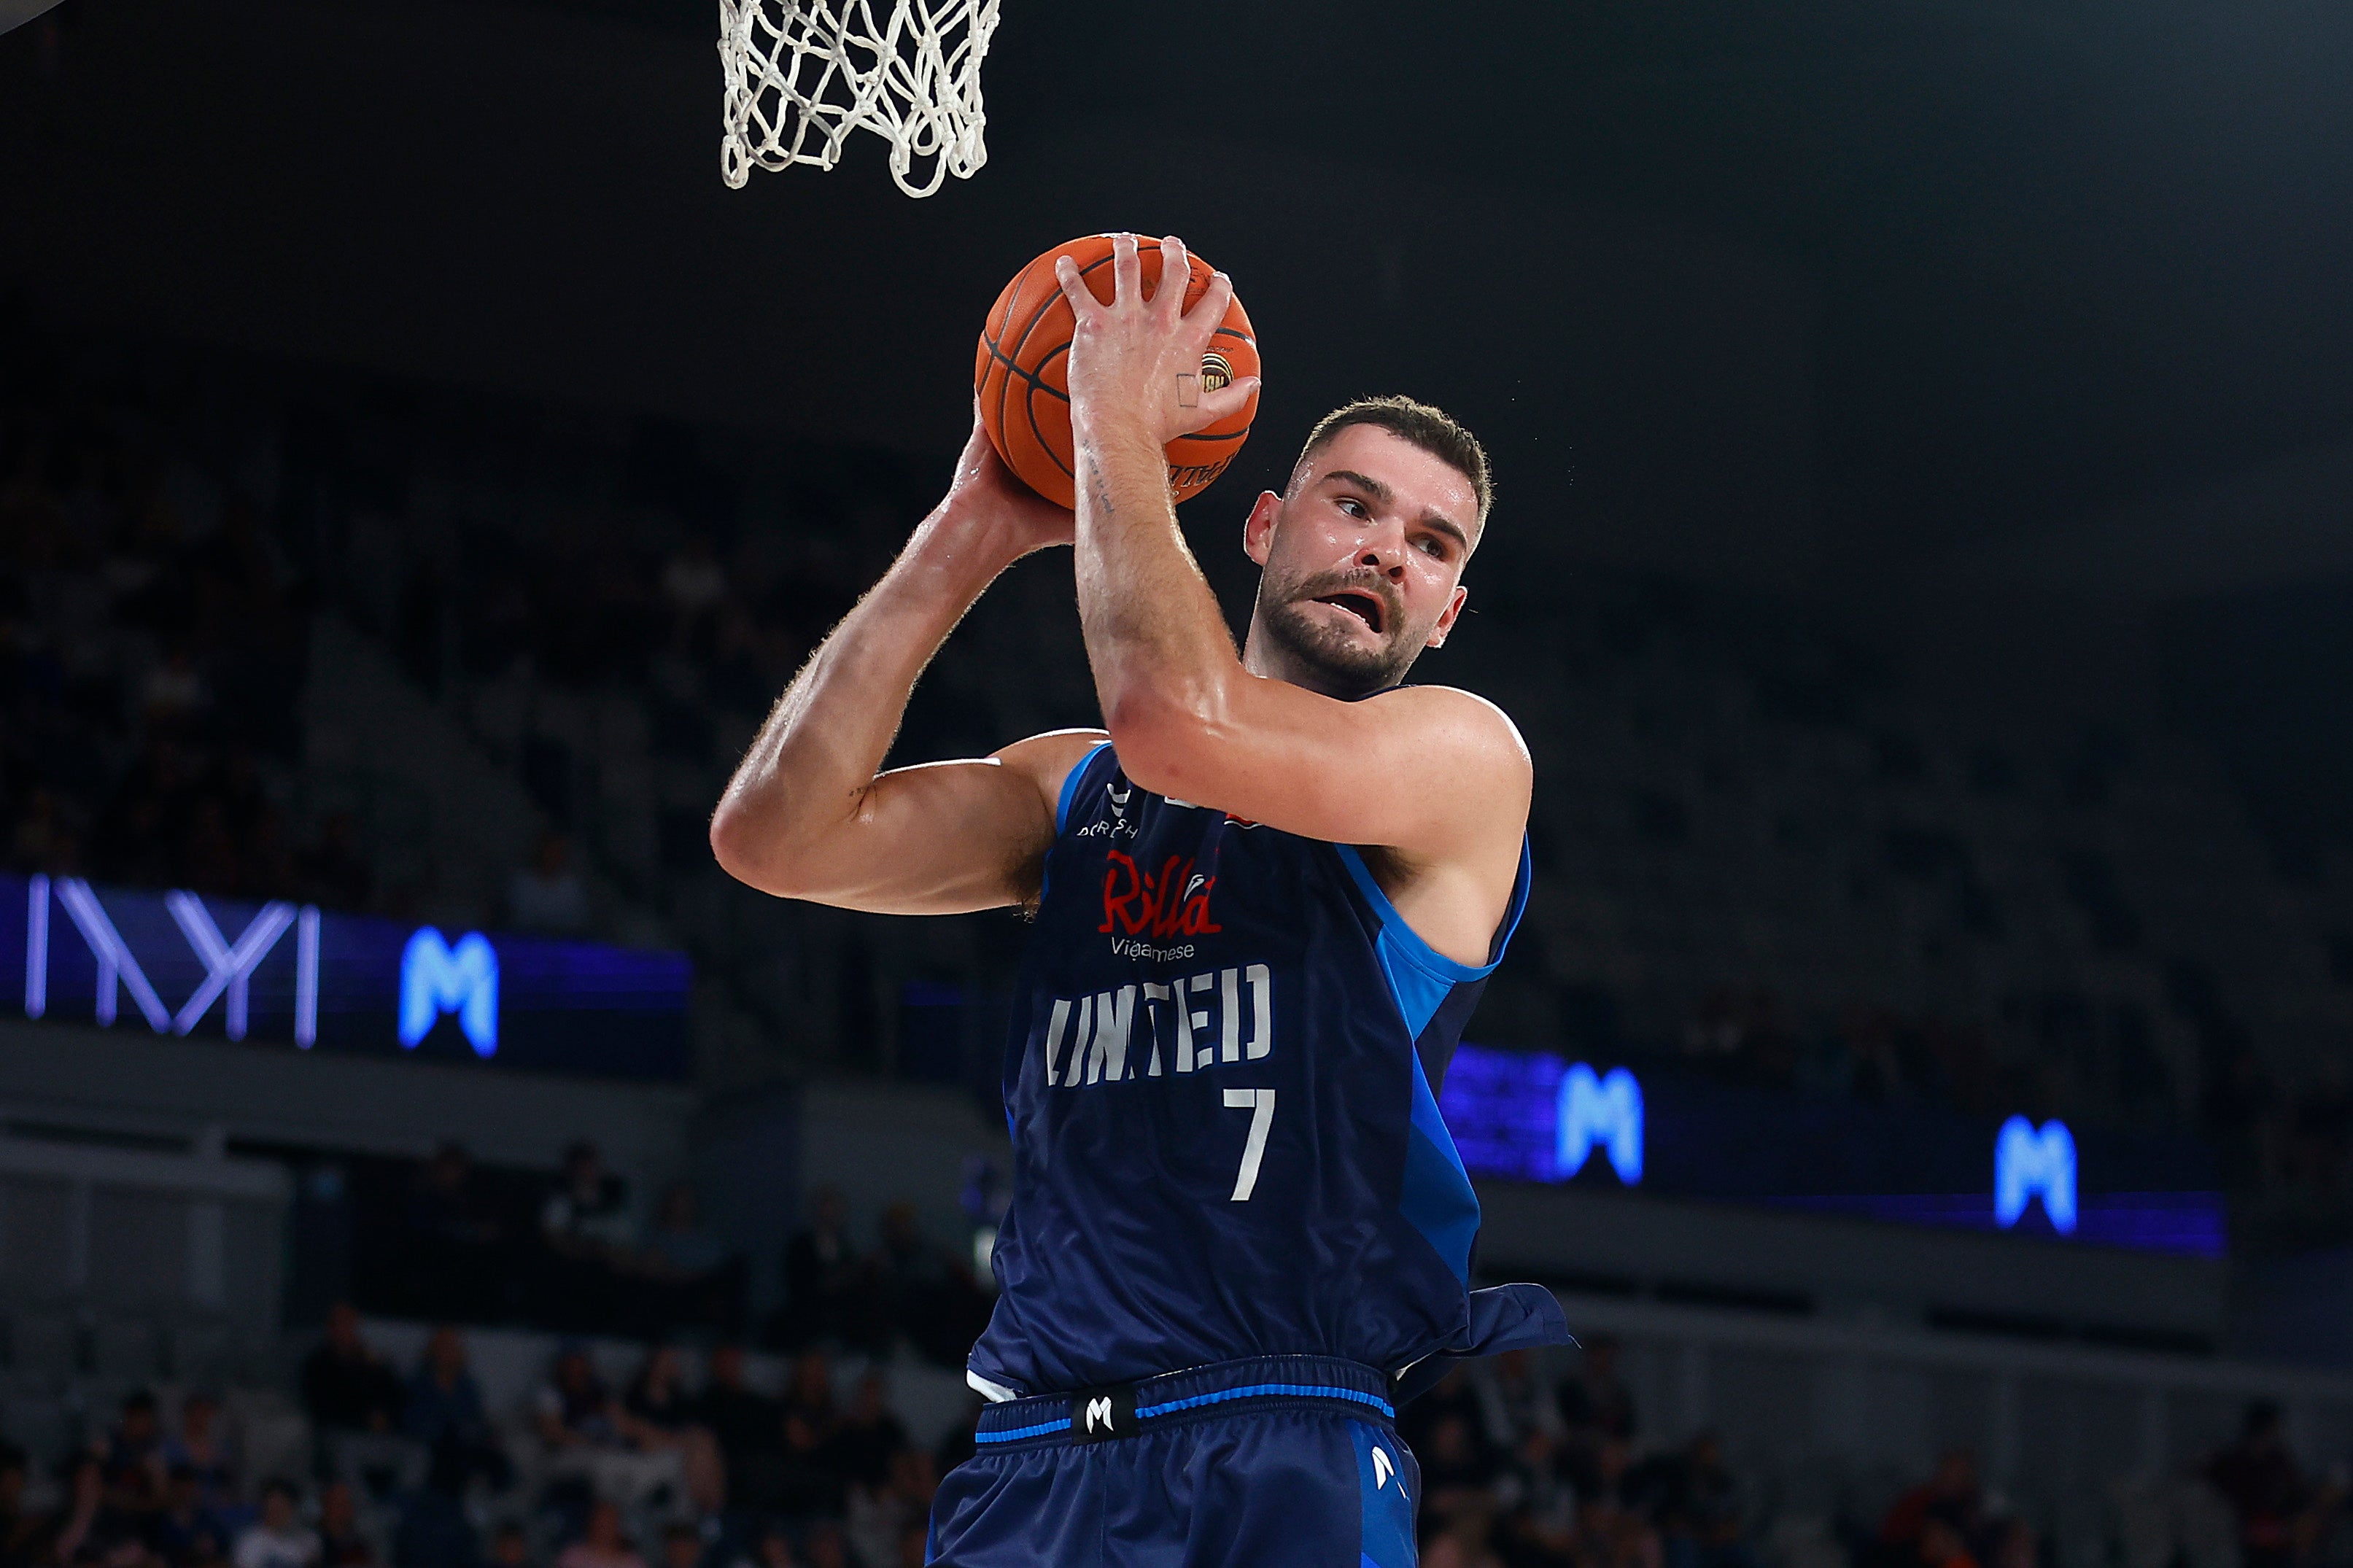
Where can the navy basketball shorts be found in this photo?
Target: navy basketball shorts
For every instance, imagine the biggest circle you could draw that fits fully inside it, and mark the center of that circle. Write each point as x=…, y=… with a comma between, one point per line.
x=1273, y=1462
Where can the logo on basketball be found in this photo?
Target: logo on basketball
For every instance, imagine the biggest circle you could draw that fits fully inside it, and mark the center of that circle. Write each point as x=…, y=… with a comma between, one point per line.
x=1217, y=372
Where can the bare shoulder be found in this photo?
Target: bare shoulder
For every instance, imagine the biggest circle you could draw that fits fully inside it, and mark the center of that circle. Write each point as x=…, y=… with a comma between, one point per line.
x=1473, y=732
x=1045, y=761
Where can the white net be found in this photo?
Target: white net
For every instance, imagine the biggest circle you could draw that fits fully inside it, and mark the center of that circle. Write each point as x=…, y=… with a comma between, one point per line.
x=803, y=74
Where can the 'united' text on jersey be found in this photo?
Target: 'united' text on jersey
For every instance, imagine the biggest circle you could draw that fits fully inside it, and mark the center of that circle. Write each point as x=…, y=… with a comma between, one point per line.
x=1148, y=1029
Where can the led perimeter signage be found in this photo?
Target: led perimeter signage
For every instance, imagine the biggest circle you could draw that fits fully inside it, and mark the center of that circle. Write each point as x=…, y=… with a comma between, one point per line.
x=1532, y=1116
x=180, y=964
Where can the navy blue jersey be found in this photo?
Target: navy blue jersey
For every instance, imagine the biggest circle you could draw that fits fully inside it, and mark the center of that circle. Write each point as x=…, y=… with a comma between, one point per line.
x=1221, y=1086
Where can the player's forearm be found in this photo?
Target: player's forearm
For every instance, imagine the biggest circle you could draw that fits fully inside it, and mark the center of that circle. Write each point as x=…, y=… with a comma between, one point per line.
x=805, y=774
x=1163, y=661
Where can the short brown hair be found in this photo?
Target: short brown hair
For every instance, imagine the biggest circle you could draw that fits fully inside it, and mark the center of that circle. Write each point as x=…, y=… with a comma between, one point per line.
x=1418, y=424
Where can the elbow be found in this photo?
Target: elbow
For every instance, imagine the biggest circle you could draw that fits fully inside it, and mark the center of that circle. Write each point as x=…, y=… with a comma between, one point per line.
x=749, y=855
x=1163, y=740
x=727, y=842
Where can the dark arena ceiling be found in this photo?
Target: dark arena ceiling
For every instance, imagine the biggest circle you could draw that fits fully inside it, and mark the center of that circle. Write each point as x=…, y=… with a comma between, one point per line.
x=2046, y=259
x=2066, y=253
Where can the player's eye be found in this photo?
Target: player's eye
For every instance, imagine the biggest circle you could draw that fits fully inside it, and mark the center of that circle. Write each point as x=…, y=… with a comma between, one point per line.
x=1436, y=547
x=1353, y=507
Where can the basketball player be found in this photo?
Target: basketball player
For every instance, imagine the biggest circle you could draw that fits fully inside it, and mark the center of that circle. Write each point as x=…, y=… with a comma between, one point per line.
x=1265, y=902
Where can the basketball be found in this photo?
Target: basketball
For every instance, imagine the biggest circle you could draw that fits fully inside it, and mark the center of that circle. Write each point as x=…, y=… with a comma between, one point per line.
x=1022, y=372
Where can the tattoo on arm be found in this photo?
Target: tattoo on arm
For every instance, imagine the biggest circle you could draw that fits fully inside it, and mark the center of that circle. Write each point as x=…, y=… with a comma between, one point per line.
x=1102, y=489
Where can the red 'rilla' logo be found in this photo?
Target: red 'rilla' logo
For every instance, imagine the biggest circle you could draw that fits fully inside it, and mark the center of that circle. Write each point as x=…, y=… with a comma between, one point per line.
x=1171, y=902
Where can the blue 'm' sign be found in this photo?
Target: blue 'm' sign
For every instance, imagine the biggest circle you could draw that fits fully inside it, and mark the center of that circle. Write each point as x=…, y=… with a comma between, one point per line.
x=2031, y=1164
x=1606, y=1112
x=435, y=978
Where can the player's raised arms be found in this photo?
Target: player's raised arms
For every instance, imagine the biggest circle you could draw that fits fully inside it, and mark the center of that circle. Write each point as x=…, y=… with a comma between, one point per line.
x=806, y=815
x=1363, y=557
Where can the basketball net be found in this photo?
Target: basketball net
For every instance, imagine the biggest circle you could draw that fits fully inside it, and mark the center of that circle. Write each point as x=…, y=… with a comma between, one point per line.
x=803, y=74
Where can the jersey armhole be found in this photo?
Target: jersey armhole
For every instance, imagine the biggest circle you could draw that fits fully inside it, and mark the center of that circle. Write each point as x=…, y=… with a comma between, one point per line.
x=1071, y=786
x=1421, y=952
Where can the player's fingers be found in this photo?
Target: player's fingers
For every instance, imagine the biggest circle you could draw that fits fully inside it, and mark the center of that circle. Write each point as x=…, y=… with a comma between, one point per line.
x=1222, y=404
x=1127, y=270
x=1208, y=312
x=1074, y=286
x=1176, y=266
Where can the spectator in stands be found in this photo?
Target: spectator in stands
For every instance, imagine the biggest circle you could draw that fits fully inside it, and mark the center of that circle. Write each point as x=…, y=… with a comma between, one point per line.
x=881, y=1513
x=510, y=1547
x=586, y=1237
x=1460, y=1470
x=581, y=1426
x=2268, y=1494
x=685, y=1266
x=1608, y=1480
x=809, y=1482
x=548, y=894
x=1449, y=1543
x=90, y=1529
x=21, y=1528
x=657, y=1416
x=136, y=1474
x=2015, y=1545
x=748, y=1426
x=1595, y=1407
x=1940, y=1545
x=681, y=1546
x=960, y=1441
x=824, y=1277
x=443, y=1413
x=354, y=1400
x=202, y=1449
x=1521, y=1417
x=1952, y=1496
x=829, y=1547
x=340, y=1543
x=772, y=1547
x=278, y=1539
x=186, y=1530
x=587, y=1214
x=452, y=1245
x=604, y=1545
x=868, y=1435
x=921, y=1292
x=1695, y=1504
x=174, y=694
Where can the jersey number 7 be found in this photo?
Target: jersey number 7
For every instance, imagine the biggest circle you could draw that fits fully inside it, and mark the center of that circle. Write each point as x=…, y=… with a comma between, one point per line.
x=1260, y=1103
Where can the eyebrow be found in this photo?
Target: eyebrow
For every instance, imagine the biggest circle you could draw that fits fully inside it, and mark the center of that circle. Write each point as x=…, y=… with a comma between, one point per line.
x=1438, y=521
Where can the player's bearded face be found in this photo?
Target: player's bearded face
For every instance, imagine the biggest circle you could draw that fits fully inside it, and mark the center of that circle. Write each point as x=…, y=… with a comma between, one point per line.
x=1350, y=622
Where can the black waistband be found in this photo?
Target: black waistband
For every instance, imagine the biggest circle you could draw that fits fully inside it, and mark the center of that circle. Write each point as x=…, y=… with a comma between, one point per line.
x=1221, y=1388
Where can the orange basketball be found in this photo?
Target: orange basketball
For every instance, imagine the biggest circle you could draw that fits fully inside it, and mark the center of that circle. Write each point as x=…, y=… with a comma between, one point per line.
x=1023, y=372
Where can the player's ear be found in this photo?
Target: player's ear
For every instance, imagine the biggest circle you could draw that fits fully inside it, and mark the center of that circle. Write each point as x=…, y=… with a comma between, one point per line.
x=1258, y=528
x=1448, y=617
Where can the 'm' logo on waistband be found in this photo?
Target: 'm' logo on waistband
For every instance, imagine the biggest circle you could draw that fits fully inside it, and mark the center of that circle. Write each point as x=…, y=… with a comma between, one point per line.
x=1100, y=1415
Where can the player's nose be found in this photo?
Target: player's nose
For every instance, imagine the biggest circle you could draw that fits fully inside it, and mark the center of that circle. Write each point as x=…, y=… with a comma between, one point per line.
x=1384, y=558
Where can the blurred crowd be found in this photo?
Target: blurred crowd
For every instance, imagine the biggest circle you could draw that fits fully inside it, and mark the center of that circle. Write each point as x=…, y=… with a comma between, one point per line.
x=153, y=640
x=720, y=1456
x=1518, y=1472
x=1749, y=825
x=411, y=1466
x=448, y=1241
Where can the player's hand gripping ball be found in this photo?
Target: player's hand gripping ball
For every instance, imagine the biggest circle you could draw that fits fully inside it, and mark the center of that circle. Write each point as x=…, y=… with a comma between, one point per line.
x=1022, y=371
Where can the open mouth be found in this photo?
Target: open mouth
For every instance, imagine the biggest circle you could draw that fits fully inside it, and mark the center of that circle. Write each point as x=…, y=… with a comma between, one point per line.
x=1366, y=607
